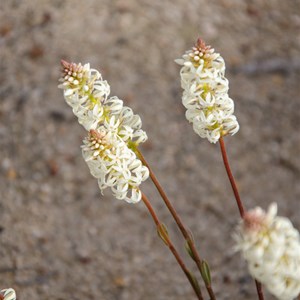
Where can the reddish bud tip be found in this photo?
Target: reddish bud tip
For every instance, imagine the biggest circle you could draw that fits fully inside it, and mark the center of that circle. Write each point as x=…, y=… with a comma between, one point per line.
x=96, y=134
x=64, y=63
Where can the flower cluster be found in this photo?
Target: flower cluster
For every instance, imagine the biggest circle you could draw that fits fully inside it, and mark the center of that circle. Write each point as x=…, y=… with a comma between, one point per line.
x=205, y=94
x=114, y=131
x=271, y=247
x=8, y=294
x=88, y=95
x=114, y=164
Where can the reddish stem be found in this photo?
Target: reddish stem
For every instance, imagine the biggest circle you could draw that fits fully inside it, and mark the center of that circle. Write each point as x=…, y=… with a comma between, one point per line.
x=177, y=219
x=231, y=179
x=238, y=201
x=173, y=249
x=259, y=290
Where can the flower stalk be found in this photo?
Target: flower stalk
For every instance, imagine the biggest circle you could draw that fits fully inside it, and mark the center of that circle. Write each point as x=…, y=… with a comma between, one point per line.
x=238, y=202
x=231, y=178
x=187, y=236
x=165, y=237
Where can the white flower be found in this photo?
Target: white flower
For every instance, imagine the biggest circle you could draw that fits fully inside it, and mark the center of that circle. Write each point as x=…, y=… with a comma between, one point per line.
x=8, y=294
x=130, y=126
x=271, y=247
x=82, y=80
x=205, y=94
x=88, y=94
x=85, y=92
x=114, y=131
x=113, y=163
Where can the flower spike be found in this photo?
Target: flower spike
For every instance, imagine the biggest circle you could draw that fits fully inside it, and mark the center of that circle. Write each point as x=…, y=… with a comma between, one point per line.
x=271, y=246
x=114, y=131
x=205, y=95
x=88, y=95
x=114, y=164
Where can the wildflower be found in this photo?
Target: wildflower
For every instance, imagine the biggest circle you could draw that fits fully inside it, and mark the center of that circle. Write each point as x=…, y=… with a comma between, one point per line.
x=113, y=163
x=8, y=294
x=271, y=246
x=114, y=131
x=205, y=95
x=88, y=95
x=85, y=91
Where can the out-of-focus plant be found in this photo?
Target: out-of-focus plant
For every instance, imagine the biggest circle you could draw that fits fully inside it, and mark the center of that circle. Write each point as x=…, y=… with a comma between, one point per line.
x=8, y=294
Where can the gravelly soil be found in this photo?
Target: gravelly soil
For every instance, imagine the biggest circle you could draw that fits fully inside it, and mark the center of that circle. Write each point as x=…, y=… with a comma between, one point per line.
x=59, y=238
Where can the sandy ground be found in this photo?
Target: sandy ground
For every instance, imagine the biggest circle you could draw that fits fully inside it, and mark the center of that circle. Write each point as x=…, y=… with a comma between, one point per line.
x=59, y=238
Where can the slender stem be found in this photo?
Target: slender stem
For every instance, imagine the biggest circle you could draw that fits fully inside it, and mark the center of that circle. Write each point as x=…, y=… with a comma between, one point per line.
x=231, y=179
x=180, y=224
x=195, y=287
x=259, y=290
x=238, y=201
x=151, y=209
x=165, y=198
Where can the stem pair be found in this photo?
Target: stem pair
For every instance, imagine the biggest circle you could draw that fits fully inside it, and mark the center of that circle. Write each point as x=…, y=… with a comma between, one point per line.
x=165, y=237
x=187, y=236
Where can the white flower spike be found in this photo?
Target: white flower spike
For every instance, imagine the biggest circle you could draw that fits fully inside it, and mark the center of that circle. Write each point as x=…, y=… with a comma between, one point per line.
x=114, y=131
x=88, y=95
x=205, y=94
x=8, y=294
x=271, y=247
x=114, y=164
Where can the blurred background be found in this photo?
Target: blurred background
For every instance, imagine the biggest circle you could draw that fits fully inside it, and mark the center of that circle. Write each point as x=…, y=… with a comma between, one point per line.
x=59, y=237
